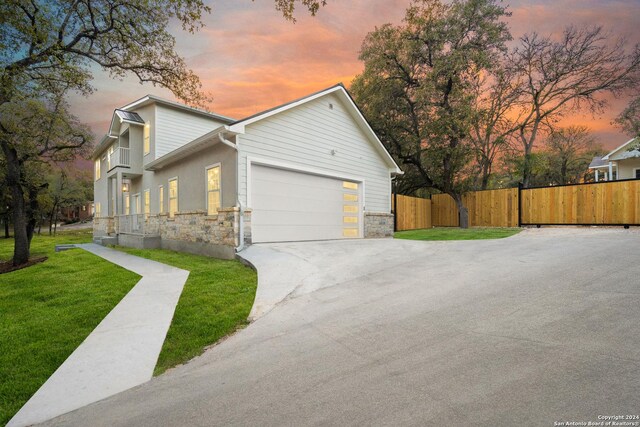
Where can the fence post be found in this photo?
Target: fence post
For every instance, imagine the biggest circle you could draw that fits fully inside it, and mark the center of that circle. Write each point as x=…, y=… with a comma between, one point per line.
x=519, y=204
x=395, y=211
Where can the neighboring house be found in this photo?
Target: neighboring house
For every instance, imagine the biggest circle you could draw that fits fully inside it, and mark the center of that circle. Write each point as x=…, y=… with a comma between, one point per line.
x=621, y=163
x=171, y=176
x=77, y=213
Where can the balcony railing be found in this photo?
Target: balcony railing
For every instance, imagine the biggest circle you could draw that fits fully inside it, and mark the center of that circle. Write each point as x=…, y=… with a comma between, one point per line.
x=135, y=224
x=119, y=157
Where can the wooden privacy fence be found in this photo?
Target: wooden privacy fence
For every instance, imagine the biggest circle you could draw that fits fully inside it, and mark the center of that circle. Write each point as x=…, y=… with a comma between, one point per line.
x=412, y=212
x=490, y=208
x=603, y=203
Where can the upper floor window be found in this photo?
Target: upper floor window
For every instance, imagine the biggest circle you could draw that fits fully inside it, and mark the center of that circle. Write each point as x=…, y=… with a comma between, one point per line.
x=213, y=189
x=110, y=152
x=97, y=169
x=146, y=139
x=173, y=196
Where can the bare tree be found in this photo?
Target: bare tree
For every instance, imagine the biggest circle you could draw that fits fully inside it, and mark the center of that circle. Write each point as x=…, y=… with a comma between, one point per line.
x=569, y=151
x=629, y=119
x=569, y=74
x=495, y=96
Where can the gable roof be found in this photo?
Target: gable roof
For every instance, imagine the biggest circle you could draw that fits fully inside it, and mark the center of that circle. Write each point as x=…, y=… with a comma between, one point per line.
x=616, y=153
x=151, y=99
x=129, y=116
x=597, y=162
x=341, y=91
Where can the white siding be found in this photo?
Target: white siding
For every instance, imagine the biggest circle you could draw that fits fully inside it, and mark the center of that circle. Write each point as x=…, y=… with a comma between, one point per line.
x=175, y=128
x=627, y=167
x=306, y=135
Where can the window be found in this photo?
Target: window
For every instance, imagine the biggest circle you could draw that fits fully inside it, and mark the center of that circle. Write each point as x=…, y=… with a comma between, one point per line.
x=136, y=202
x=637, y=173
x=127, y=204
x=97, y=210
x=147, y=203
x=173, y=196
x=213, y=190
x=160, y=199
x=97, y=169
x=350, y=185
x=109, y=154
x=146, y=143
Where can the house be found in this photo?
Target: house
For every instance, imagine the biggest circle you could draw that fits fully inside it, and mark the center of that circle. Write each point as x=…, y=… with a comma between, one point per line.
x=171, y=176
x=621, y=163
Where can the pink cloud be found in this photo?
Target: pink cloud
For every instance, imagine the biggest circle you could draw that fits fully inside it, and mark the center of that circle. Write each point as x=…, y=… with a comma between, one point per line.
x=249, y=58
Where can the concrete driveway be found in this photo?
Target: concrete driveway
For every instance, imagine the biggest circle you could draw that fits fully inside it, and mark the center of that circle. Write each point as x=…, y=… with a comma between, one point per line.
x=529, y=330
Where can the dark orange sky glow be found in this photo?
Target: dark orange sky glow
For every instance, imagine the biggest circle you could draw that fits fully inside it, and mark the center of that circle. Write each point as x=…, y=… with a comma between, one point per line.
x=249, y=58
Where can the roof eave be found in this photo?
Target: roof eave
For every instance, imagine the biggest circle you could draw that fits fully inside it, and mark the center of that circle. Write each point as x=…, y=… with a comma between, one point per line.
x=188, y=149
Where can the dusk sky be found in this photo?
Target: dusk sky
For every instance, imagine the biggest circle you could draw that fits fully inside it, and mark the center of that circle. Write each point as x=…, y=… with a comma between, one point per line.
x=249, y=58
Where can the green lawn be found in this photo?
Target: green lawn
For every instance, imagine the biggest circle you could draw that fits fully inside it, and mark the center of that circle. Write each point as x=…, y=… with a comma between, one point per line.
x=48, y=309
x=216, y=301
x=454, y=233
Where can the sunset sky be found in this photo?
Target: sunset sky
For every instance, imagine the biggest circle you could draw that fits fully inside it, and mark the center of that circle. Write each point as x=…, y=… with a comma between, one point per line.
x=249, y=58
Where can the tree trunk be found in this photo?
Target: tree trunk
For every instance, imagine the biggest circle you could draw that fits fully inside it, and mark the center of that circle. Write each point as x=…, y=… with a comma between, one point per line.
x=486, y=172
x=22, y=242
x=526, y=170
x=463, y=212
x=6, y=227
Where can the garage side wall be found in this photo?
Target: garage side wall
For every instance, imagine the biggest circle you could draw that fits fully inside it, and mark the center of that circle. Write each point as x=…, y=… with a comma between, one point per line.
x=320, y=134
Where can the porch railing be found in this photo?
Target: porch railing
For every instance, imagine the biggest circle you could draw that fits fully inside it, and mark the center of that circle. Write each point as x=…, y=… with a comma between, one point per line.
x=135, y=224
x=120, y=157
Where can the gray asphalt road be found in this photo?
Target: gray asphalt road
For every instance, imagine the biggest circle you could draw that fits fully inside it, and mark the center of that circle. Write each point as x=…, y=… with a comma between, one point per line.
x=539, y=328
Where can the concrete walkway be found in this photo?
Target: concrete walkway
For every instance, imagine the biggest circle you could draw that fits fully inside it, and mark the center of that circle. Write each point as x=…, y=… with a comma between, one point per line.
x=122, y=350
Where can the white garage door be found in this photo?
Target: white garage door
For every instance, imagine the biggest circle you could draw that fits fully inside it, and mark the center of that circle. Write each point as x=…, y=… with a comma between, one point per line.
x=292, y=206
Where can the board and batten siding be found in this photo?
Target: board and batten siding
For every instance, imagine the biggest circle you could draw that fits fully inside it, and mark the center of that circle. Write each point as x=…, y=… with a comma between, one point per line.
x=175, y=128
x=305, y=136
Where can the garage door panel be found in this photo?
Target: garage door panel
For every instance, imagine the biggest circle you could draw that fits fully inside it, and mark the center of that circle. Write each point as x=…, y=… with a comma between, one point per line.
x=304, y=204
x=273, y=218
x=291, y=206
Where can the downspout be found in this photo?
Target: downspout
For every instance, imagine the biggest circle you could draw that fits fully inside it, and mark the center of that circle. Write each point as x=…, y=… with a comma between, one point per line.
x=240, y=246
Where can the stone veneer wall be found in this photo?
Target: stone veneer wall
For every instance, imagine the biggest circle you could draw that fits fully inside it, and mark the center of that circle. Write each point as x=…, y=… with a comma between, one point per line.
x=103, y=226
x=193, y=231
x=378, y=225
x=198, y=227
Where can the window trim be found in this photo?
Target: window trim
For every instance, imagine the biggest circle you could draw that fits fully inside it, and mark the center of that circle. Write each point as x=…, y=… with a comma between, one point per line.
x=146, y=207
x=175, y=178
x=127, y=203
x=160, y=199
x=136, y=198
x=146, y=138
x=206, y=186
